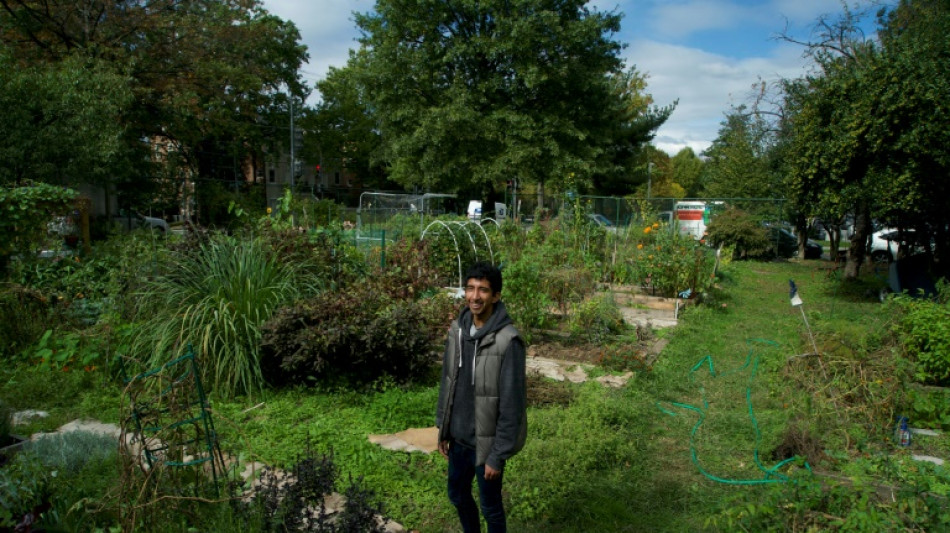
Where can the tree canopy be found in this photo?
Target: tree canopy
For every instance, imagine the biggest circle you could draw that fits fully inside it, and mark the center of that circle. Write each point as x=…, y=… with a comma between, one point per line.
x=61, y=121
x=867, y=132
x=205, y=75
x=481, y=91
x=737, y=163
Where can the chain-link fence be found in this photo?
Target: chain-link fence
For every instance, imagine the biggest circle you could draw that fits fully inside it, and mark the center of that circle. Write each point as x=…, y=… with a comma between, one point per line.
x=623, y=211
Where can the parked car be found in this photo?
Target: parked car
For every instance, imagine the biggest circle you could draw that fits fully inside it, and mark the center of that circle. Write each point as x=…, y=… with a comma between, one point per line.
x=885, y=243
x=786, y=244
x=602, y=221
x=132, y=220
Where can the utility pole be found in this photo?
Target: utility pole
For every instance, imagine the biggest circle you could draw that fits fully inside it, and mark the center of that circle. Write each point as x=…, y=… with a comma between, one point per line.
x=649, y=180
x=293, y=159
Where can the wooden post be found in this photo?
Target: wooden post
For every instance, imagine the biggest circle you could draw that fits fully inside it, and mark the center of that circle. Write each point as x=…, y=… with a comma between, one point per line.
x=84, y=205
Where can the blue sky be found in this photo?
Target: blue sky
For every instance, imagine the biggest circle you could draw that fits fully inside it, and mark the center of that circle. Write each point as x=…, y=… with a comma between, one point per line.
x=705, y=53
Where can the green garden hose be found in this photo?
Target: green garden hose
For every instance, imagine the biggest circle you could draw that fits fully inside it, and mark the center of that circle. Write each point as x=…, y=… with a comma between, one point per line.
x=772, y=475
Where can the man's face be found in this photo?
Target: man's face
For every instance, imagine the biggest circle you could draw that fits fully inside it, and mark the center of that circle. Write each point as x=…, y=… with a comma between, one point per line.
x=480, y=298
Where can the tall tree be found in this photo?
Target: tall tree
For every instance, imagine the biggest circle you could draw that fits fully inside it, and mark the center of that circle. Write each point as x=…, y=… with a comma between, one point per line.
x=633, y=122
x=206, y=75
x=62, y=121
x=687, y=170
x=345, y=125
x=737, y=162
x=868, y=132
x=481, y=91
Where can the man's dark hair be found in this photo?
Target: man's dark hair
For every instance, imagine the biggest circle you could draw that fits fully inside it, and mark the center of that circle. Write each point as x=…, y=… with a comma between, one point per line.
x=485, y=270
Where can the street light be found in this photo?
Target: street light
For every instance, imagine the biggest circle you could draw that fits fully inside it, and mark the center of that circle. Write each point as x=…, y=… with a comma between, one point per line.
x=649, y=180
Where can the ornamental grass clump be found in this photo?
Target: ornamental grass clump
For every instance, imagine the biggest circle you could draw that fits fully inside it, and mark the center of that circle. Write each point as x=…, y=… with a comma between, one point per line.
x=216, y=298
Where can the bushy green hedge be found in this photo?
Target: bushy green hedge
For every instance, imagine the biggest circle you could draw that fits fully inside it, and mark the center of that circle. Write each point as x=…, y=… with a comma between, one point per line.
x=742, y=232
x=923, y=329
x=390, y=324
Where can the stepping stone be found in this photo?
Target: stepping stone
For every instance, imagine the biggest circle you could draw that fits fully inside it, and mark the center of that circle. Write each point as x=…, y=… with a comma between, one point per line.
x=24, y=417
x=928, y=458
x=615, y=381
x=425, y=440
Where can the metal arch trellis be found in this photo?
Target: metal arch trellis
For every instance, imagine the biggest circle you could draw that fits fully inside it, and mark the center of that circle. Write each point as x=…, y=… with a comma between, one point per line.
x=458, y=252
x=461, y=225
x=491, y=254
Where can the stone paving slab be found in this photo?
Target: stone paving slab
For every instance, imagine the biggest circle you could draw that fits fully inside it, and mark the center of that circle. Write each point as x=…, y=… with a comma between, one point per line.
x=570, y=371
x=425, y=440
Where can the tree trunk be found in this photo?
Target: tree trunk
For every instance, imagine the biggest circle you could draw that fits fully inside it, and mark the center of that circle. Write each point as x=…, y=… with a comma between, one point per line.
x=801, y=229
x=538, y=209
x=834, y=238
x=859, y=240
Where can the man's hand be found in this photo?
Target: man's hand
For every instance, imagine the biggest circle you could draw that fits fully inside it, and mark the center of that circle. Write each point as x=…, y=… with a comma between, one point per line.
x=491, y=474
x=444, y=448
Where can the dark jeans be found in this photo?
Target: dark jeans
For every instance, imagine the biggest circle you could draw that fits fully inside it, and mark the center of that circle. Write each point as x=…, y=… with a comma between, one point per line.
x=461, y=471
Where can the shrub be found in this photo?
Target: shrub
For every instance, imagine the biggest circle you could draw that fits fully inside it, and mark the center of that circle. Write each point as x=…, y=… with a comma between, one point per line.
x=70, y=452
x=547, y=272
x=923, y=329
x=6, y=426
x=24, y=315
x=742, y=231
x=671, y=263
x=597, y=318
x=24, y=489
x=296, y=502
x=358, y=335
x=216, y=298
x=26, y=211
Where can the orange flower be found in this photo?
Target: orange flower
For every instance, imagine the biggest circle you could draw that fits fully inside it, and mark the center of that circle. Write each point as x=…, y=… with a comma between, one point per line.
x=647, y=229
x=640, y=246
x=656, y=225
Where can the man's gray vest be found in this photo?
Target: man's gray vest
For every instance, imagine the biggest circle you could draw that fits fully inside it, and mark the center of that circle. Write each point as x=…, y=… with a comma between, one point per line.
x=489, y=356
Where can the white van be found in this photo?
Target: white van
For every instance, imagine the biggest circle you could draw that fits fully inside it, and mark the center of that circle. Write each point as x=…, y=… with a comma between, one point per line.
x=475, y=210
x=691, y=217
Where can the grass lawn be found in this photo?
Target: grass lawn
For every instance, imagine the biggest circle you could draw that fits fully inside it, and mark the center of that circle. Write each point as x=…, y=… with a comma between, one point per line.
x=612, y=459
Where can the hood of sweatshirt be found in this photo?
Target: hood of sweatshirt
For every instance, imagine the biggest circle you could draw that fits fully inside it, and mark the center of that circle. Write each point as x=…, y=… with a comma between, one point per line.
x=499, y=319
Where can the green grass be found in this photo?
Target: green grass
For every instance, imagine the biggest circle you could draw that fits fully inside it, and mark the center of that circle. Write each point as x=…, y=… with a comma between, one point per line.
x=611, y=460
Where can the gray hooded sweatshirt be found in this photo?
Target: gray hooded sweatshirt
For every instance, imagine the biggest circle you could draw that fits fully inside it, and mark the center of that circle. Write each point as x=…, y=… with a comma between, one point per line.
x=482, y=396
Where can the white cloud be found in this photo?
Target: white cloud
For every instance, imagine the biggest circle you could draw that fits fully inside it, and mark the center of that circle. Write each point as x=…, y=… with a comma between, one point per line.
x=326, y=27
x=678, y=19
x=705, y=84
x=805, y=12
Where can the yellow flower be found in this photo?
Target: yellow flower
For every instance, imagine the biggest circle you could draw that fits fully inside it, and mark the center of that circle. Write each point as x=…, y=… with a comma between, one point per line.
x=656, y=225
x=269, y=210
x=639, y=246
x=647, y=229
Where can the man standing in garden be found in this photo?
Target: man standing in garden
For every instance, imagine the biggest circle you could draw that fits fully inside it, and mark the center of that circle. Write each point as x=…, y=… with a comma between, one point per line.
x=481, y=416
